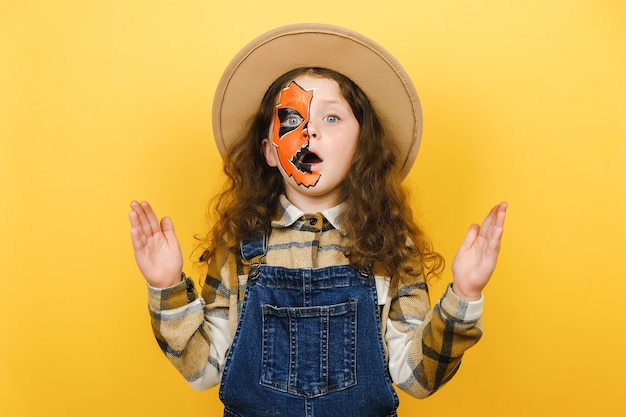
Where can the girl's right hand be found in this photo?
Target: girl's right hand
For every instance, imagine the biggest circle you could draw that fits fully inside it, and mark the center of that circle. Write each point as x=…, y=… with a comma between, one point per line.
x=157, y=250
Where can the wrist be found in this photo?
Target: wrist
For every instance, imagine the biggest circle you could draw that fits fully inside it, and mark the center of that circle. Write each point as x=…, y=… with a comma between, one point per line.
x=465, y=293
x=169, y=282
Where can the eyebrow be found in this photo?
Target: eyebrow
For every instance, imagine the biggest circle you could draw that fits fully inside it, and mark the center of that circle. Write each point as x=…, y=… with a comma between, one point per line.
x=332, y=101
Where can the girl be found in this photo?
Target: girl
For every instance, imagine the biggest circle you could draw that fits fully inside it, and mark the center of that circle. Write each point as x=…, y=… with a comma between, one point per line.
x=315, y=299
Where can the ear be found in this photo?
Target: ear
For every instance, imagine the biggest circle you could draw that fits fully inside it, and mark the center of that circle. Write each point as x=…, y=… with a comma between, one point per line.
x=269, y=151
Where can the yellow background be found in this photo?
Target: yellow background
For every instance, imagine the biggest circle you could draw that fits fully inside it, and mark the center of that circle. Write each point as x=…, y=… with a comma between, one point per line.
x=102, y=102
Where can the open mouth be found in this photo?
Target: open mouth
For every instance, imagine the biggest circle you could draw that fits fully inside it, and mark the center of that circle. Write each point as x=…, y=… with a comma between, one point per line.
x=303, y=160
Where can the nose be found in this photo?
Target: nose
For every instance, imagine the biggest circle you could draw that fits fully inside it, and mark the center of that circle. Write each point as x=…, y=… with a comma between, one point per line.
x=310, y=131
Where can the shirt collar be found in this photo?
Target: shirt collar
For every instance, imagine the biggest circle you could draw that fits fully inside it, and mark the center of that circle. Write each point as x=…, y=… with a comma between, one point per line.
x=288, y=214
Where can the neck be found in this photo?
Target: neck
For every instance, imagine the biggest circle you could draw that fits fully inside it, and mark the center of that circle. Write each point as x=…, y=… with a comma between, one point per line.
x=312, y=203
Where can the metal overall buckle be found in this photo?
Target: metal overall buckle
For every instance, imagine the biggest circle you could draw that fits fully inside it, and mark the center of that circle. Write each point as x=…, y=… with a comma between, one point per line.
x=255, y=268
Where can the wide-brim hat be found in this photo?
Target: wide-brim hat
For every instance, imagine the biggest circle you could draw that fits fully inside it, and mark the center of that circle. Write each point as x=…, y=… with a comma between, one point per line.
x=369, y=65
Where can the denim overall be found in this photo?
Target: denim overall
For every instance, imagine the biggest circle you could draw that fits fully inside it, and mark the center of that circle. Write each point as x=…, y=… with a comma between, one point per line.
x=308, y=343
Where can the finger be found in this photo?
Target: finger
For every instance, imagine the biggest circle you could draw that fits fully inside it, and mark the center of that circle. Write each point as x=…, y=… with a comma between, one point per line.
x=497, y=229
x=139, y=218
x=137, y=227
x=138, y=238
x=167, y=225
x=133, y=216
x=495, y=239
x=489, y=219
x=168, y=230
x=492, y=224
x=501, y=214
x=151, y=219
x=470, y=237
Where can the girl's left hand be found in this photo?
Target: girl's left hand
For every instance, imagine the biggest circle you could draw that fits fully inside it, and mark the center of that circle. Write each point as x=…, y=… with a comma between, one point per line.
x=476, y=259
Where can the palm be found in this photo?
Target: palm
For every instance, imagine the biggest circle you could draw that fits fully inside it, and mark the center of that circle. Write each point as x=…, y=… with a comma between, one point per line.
x=156, y=248
x=476, y=259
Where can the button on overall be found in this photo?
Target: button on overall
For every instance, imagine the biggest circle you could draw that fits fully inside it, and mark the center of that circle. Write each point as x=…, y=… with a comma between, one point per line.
x=308, y=344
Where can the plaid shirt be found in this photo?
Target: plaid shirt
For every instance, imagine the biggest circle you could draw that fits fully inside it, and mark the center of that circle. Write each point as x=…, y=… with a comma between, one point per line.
x=424, y=345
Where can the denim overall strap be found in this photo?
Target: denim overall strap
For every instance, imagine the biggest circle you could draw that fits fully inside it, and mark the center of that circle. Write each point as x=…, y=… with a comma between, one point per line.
x=254, y=246
x=308, y=343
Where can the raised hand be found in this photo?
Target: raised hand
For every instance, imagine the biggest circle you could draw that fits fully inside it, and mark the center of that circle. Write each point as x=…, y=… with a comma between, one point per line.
x=476, y=259
x=157, y=250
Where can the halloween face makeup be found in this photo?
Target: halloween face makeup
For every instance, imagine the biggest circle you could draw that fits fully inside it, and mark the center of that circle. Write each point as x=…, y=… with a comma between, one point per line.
x=312, y=141
x=290, y=134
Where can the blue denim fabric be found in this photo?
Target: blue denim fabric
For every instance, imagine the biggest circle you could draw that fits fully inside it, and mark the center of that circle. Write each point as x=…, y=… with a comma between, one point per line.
x=308, y=344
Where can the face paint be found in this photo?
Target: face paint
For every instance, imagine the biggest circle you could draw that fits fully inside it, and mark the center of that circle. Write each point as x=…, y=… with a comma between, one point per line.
x=290, y=135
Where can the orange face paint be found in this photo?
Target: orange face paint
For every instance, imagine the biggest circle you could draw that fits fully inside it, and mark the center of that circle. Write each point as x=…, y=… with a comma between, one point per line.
x=290, y=135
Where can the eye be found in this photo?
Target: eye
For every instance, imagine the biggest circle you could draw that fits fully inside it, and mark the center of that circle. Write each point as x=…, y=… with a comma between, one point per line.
x=292, y=120
x=331, y=119
x=289, y=120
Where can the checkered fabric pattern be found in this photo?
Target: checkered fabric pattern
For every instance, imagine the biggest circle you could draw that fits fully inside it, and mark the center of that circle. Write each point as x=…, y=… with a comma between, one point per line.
x=424, y=344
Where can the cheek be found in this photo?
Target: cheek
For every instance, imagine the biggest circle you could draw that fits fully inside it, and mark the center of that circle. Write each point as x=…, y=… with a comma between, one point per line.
x=349, y=147
x=290, y=143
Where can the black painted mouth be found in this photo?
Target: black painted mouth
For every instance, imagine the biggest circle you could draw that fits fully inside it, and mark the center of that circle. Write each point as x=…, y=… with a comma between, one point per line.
x=303, y=159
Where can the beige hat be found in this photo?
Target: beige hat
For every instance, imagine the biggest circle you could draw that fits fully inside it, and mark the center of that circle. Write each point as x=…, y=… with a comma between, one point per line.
x=371, y=67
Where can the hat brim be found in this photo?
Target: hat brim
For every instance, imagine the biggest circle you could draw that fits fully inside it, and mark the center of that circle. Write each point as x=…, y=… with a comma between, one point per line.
x=370, y=66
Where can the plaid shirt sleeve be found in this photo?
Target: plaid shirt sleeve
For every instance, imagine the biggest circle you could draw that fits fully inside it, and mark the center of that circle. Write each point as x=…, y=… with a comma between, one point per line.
x=426, y=345
x=193, y=331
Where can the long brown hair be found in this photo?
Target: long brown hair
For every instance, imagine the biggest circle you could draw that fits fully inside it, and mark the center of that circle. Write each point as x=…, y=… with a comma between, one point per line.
x=376, y=215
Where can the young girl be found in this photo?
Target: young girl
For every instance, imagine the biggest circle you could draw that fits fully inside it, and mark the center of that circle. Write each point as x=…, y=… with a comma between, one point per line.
x=315, y=299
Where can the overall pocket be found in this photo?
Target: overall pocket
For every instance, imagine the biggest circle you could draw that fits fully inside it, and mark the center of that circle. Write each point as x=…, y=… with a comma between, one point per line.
x=309, y=351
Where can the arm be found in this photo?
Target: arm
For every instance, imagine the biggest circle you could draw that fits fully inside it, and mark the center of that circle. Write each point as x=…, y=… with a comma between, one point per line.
x=476, y=259
x=191, y=331
x=156, y=248
x=426, y=345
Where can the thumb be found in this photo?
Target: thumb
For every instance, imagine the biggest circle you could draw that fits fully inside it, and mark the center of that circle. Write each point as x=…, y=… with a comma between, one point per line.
x=471, y=235
x=167, y=226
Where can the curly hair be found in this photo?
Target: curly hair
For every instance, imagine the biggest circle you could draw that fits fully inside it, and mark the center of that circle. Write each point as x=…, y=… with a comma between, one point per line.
x=376, y=215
